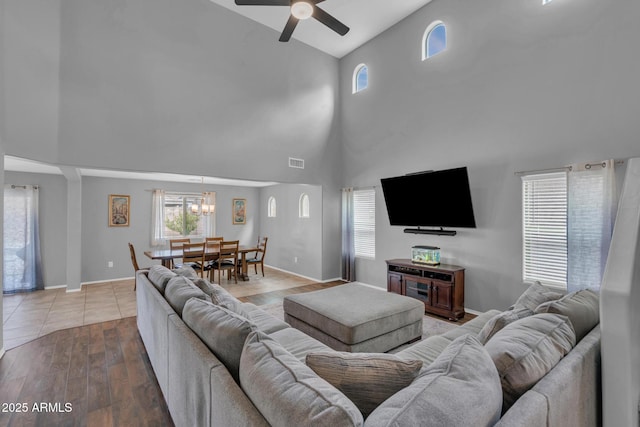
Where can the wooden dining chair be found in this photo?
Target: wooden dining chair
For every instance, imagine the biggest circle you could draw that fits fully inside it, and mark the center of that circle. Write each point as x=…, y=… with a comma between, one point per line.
x=134, y=261
x=177, y=244
x=258, y=257
x=227, y=260
x=193, y=255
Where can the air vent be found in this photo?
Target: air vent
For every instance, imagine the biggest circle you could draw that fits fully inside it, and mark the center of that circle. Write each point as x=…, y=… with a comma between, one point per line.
x=296, y=163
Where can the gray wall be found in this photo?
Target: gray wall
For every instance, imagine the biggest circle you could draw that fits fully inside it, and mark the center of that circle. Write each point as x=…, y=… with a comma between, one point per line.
x=289, y=236
x=101, y=243
x=294, y=242
x=165, y=86
x=520, y=86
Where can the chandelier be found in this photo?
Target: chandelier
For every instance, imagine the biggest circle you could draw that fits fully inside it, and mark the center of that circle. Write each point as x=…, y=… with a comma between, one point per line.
x=204, y=205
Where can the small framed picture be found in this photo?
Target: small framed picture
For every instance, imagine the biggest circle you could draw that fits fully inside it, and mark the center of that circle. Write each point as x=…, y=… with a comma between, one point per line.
x=119, y=210
x=239, y=211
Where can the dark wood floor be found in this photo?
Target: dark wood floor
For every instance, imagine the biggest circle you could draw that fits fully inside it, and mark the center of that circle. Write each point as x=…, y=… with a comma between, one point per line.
x=95, y=375
x=278, y=296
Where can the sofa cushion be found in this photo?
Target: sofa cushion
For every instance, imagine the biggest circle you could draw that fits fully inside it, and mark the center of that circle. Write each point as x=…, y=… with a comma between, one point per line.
x=368, y=379
x=159, y=276
x=460, y=388
x=179, y=290
x=297, y=343
x=499, y=321
x=186, y=271
x=581, y=307
x=263, y=320
x=426, y=350
x=220, y=295
x=222, y=330
x=525, y=350
x=289, y=393
x=535, y=295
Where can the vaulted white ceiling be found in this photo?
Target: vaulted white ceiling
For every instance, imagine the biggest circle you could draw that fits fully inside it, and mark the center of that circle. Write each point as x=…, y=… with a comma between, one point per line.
x=365, y=19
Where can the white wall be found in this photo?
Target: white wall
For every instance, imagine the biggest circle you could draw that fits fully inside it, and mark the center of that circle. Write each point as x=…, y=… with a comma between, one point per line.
x=619, y=317
x=520, y=86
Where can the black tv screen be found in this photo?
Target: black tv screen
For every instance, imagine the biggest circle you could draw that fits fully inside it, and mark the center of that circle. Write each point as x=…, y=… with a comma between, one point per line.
x=430, y=199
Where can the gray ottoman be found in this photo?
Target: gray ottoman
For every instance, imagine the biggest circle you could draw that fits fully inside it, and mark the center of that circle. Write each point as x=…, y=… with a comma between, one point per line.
x=356, y=318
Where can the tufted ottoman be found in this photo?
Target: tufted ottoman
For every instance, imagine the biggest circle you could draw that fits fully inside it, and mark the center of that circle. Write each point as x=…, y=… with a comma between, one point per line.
x=355, y=317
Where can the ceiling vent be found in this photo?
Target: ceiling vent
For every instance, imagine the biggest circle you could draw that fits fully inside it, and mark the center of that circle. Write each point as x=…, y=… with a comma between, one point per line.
x=296, y=163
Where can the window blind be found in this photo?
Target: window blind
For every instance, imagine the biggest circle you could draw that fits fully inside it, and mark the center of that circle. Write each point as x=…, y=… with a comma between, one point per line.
x=364, y=222
x=544, y=207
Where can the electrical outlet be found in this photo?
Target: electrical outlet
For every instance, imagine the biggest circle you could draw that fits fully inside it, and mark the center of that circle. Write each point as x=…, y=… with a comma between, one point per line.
x=110, y=264
x=295, y=259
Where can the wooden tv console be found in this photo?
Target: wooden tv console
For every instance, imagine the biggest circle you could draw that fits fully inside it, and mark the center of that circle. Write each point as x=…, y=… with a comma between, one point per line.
x=440, y=287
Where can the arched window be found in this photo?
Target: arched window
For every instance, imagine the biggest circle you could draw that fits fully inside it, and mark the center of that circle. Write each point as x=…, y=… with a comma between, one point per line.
x=271, y=207
x=360, y=78
x=434, y=39
x=304, y=206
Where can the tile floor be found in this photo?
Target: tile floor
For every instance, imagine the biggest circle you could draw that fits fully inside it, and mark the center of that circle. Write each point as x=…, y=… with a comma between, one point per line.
x=32, y=315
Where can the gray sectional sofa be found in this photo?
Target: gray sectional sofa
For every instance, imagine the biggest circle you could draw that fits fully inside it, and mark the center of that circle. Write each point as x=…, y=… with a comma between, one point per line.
x=220, y=362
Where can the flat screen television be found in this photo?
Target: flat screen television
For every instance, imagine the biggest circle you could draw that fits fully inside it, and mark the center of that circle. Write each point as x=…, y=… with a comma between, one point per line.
x=430, y=199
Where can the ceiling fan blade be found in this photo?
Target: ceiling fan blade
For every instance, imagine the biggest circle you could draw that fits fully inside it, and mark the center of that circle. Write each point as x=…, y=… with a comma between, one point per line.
x=262, y=2
x=330, y=21
x=288, y=29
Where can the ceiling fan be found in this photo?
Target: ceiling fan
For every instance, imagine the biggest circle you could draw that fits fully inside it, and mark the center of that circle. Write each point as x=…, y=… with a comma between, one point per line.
x=300, y=10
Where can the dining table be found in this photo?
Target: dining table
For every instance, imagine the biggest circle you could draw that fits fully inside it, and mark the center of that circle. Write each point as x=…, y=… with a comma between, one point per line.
x=166, y=255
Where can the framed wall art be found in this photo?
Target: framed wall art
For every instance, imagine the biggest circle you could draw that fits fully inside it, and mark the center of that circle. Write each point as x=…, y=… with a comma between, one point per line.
x=239, y=211
x=119, y=210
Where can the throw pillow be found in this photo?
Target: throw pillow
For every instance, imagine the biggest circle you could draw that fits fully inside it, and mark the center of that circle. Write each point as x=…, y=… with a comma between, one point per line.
x=159, y=276
x=179, y=290
x=460, y=388
x=223, y=331
x=527, y=349
x=499, y=321
x=581, y=307
x=535, y=295
x=289, y=393
x=368, y=379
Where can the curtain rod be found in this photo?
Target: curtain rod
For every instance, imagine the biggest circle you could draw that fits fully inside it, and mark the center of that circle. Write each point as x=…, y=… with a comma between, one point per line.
x=35, y=187
x=565, y=168
x=370, y=187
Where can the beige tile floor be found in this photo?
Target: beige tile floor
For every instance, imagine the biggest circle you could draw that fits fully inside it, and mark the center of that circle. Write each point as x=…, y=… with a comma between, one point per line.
x=32, y=315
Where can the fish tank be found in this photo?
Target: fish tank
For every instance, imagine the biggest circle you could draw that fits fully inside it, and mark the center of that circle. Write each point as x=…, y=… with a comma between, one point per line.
x=429, y=255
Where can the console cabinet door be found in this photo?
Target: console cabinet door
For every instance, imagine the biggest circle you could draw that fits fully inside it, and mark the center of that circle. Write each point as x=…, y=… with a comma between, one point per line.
x=442, y=295
x=394, y=283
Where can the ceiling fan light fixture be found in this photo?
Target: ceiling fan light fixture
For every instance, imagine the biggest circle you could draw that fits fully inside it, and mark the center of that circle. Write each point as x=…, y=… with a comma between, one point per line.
x=301, y=10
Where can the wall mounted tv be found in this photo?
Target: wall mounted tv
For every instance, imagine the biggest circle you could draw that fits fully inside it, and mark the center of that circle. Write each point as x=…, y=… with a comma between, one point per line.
x=430, y=199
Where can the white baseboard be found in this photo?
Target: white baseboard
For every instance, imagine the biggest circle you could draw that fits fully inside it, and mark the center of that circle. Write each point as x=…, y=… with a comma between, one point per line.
x=2, y=352
x=300, y=275
x=47, y=288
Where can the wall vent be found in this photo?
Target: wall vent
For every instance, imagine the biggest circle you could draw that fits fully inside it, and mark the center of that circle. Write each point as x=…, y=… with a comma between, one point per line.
x=296, y=163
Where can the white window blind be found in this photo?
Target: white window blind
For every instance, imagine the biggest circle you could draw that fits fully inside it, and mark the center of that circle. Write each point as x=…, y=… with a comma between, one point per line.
x=364, y=222
x=544, y=209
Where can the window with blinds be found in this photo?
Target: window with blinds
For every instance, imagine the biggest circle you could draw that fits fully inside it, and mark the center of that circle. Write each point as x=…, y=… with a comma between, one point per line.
x=364, y=223
x=544, y=214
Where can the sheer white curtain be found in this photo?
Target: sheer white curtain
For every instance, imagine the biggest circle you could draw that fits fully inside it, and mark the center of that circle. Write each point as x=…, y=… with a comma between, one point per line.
x=348, y=244
x=592, y=207
x=22, y=264
x=157, y=218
